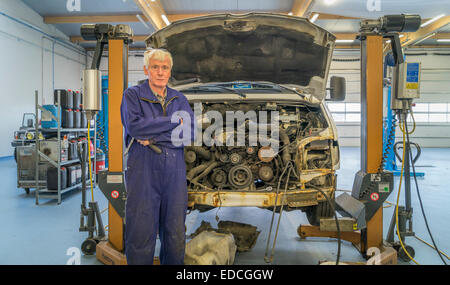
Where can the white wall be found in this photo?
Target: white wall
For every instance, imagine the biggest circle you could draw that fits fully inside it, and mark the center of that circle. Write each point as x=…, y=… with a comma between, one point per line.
x=135, y=66
x=22, y=71
x=435, y=88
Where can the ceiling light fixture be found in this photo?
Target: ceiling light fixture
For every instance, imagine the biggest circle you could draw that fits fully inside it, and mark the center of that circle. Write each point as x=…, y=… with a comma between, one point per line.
x=314, y=17
x=290, y=13
x=164, y=17
x=432, y=20
x=425, y=38
x=344, y=41
x=444, y=40
x=142, y=21
x=329, y=2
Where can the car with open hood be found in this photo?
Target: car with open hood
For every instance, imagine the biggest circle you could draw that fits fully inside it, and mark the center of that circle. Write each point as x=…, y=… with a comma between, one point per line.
x=245, y=65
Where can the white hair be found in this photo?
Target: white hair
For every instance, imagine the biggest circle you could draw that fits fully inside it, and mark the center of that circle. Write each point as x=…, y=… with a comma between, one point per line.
x=158, y=54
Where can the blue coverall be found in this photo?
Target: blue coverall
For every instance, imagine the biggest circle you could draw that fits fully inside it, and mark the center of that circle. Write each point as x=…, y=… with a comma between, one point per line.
x=156, y=183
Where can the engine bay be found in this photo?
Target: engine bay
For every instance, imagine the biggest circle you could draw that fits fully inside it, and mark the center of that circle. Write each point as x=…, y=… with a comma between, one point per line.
x=259, y=167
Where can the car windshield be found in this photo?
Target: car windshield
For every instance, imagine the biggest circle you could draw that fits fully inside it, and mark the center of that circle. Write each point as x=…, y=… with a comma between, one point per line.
x=240, y=88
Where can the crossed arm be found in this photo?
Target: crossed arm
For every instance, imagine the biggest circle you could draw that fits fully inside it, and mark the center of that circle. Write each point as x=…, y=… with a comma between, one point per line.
x=146, y=129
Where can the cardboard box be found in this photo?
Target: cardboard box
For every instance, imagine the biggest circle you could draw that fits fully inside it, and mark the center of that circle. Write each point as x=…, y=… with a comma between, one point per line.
x=108, y=255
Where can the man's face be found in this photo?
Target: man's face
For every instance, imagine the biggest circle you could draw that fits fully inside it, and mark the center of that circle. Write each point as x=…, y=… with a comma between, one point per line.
x=158, y=72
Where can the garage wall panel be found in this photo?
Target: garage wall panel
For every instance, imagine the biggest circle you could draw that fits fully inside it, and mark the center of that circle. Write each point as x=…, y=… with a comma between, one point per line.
x=435, y=88
x=21, y=68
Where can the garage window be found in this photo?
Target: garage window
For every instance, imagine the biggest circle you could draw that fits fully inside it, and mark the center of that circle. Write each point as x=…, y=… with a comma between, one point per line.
x=423, y=112
x=345, y=112
x=431, y=113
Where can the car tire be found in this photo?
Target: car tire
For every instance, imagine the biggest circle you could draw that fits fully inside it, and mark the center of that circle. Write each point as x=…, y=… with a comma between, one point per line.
x=315, y=213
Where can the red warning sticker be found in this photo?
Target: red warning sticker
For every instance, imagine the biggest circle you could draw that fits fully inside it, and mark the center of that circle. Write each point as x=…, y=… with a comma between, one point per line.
x=374, y=197
x=115, y=194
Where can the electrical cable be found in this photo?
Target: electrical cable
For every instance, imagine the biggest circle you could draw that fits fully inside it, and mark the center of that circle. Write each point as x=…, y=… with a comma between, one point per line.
x=398, y=196
x=443, y=253
x=414, y=123
x=338, y=230
x=389, y=204
x=420, y=199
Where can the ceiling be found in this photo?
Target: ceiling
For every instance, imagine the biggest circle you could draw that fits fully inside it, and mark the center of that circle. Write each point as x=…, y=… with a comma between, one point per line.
x=351, y=10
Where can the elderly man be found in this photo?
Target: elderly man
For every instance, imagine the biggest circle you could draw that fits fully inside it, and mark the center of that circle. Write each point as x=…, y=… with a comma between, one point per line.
x=156, y=180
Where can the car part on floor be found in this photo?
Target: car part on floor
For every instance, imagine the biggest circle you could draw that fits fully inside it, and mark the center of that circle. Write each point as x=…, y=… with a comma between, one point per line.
x=210, y=248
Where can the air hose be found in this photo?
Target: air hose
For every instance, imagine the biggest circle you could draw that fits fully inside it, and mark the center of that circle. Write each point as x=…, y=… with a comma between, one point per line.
x=389, y=146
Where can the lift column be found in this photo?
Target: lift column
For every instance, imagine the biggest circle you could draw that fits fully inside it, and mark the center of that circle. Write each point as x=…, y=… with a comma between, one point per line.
x=117, y=83
x=372, y=125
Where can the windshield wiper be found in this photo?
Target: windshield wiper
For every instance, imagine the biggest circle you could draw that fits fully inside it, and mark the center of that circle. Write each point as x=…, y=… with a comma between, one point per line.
x=212, y=87
x=265, y=85
x=281, y=87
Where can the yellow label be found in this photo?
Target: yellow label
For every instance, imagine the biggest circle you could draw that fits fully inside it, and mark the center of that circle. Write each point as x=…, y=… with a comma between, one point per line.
x=355, y=227
x=412, y=86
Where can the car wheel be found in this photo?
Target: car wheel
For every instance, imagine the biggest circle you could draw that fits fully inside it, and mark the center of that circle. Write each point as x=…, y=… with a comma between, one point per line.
x=315, y=213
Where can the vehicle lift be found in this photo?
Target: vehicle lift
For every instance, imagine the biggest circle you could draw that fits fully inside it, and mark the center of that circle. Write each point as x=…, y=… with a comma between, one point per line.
x=109, y=250
x=372, y=184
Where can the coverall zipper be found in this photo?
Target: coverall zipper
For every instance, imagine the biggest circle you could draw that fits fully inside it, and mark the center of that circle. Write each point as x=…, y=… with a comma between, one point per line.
x=163, y=106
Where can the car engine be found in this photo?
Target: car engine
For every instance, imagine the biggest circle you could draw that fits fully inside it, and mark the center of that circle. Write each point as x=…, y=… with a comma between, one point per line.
x=259, y=167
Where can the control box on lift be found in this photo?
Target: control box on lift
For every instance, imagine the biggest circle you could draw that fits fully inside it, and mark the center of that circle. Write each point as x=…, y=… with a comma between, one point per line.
x=408, y=85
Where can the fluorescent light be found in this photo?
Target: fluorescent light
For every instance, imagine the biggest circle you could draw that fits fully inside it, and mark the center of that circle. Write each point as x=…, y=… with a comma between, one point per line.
x=345, y=41
x=427, y=37
x=444, y=40
x=432, y=20
x=314, y=17
x=165, y=19
x=290, y=13
x=142, y=21
x=401, y=36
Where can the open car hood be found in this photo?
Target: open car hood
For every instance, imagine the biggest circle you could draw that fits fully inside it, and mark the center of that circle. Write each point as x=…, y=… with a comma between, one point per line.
x=251, y=47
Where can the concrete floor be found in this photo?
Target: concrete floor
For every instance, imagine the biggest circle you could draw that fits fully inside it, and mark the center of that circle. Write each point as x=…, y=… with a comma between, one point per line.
x=46, y=234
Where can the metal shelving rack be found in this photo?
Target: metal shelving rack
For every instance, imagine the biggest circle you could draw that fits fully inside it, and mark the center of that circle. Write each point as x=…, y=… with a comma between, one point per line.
x=41, y=191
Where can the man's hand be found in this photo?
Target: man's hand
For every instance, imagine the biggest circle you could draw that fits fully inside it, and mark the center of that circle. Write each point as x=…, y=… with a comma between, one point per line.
x=143, y=142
